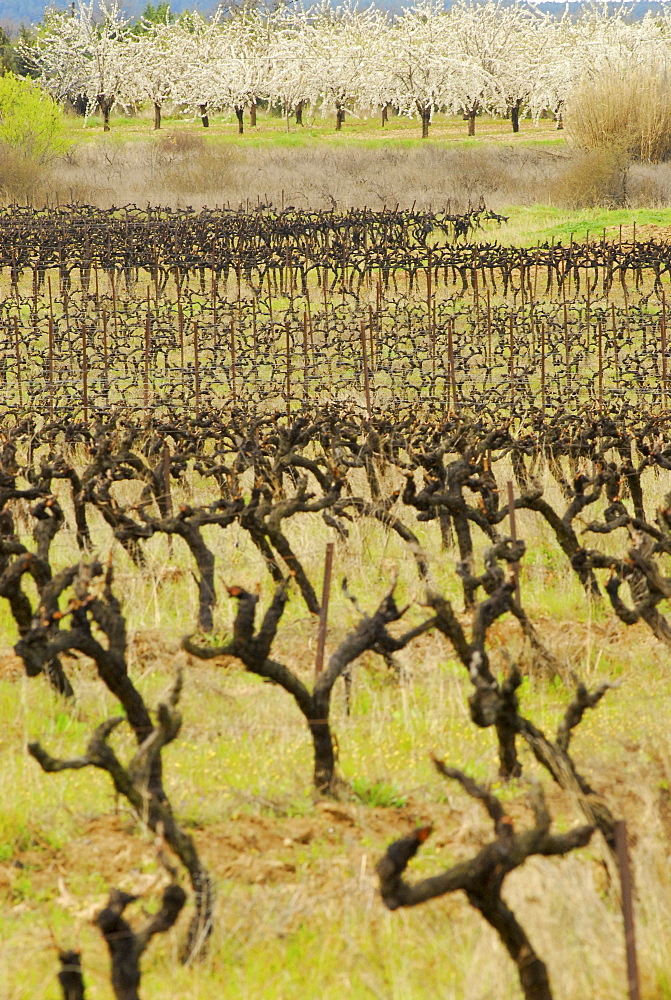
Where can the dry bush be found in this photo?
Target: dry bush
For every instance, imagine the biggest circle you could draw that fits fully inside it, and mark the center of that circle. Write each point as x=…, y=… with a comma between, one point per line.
x=21, y=176
x=591, y=179
x=624, y=110
x=649, y=185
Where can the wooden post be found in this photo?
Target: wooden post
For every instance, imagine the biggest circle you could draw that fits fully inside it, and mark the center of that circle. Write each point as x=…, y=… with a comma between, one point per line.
x=627, y=909
x=566, y=344
x=476, y=301
x=105, y=361
x=600, y=351
x=615, y=352
x=51, y=352
x=214, y=308
x=85, y=376
x=588, y=312
x=663, y=335
x=18, y=359
x=233, y=361
x=364, y=359
x=450, y=365
x=306, y=359
x=114, y=310
x=180, y=327
x=513, y=534
x=512, y=361
x=323, y=614
x=543, y=370
x=270, y=307
x=489, y=328
x=147, y=343
x=429, y=277
x=196, y=369
x=371, y=329
x=166, y=481
x=288, y=355
x=66, y=316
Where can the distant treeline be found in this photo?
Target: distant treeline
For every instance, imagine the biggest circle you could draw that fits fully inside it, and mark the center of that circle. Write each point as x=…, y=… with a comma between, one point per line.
x=14, y=13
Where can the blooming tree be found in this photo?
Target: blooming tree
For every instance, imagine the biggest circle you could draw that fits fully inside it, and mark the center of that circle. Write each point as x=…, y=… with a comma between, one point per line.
x=80, y=54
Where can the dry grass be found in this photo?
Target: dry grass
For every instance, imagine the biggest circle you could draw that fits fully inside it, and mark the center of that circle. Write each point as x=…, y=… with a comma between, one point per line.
x=625, y=110
x=183, y=169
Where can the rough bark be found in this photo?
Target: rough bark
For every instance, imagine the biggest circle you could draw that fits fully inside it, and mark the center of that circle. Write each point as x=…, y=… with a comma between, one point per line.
x=481, y=878
x=125, y=945
x=70, y=976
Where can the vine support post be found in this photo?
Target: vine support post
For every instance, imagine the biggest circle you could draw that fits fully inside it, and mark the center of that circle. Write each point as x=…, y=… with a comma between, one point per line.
x=51, y=352
x=622, y=852
x=306, y=360
x=196, y=368
x=233, y=372
x=287, y=332
x=512, y=361
x=489, y=328
x=513, y=534
x=663, y=336
x=147, y=349
x=105, y=358
x=543, y=371
x=615, y=351
x=600, y=352
x=323, y=614
x=364, y=359
x=85, y=376
x=18, y=359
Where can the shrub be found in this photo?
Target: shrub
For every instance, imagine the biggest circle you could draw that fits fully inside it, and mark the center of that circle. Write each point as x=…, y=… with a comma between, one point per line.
x=595, y=178
x=626, y=111
x=31, y=123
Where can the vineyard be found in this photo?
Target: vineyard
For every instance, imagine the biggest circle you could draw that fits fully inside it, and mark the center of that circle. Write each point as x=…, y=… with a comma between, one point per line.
x=196, y=309
x=320, y=532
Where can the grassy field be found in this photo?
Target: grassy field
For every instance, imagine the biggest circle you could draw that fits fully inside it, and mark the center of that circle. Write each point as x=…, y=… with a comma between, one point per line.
x=298, y=914
x=361, y=128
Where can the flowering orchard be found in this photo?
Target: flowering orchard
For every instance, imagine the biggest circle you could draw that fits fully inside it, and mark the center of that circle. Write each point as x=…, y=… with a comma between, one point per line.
x=503, y=59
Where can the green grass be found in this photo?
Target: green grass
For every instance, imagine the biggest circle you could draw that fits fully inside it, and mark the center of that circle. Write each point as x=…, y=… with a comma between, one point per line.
x=546, y=223
x=363, y=130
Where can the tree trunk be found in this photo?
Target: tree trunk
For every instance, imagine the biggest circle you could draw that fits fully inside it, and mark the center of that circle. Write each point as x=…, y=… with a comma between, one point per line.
x=515, y=115
x=105, y=104
x=340, y=116
x=471, y=122
x=299, y=112
x=532, y=971
x=157, y=115
x=239, y=112
x=324, y=764
x=426, y=121
x=385, y=114
x=204, y=117
x=252, y=114
x=559, y=118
